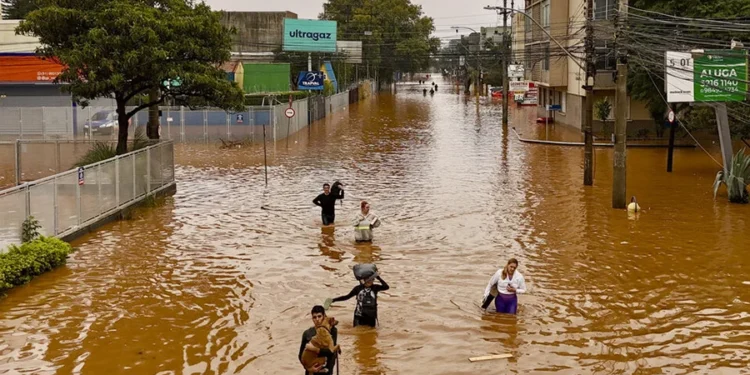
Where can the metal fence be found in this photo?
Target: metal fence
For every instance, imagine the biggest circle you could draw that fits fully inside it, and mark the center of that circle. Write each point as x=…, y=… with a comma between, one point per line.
x=179, y=124
x=65, y=202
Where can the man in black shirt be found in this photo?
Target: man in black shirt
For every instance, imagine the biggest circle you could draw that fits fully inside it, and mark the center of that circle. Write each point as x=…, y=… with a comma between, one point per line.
x=318, y=315
x=327, y=202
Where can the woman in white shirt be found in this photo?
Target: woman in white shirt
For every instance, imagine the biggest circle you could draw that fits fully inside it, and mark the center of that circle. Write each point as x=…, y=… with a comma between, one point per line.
x=503, y=287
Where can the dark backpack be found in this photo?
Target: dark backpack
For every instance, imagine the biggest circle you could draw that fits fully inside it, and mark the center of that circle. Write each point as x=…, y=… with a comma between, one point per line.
x=368, y=303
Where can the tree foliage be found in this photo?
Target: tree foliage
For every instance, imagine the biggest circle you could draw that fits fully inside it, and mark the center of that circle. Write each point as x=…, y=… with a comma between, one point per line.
x=646, y=84
x=400, y=39
x=124, y=48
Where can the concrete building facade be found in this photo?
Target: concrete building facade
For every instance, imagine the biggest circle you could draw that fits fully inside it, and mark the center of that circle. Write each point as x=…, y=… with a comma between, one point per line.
x=258, y=35
x=559, y=77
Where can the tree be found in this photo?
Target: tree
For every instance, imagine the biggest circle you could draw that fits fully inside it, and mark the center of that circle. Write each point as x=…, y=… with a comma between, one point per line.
x=645, y=81
x=125, y=48
x=400, y=39
x=603, y=109
x=18, y=9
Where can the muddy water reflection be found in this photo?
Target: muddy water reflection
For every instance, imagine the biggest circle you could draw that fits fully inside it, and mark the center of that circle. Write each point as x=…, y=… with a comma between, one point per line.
x=211, y=283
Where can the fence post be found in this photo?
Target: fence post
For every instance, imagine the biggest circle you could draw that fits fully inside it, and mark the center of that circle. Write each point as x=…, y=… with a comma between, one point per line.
x=57, y=156
x=117, y=181
x=44, y=125
x=135, y=186
x=99, y=186
x=148, y=170
x=28, y=201
x=55, y=221
x=78, y=203
x=229, y=130
x=20, y=122
x=182, y=124
x=18, y=162
x=205, y=125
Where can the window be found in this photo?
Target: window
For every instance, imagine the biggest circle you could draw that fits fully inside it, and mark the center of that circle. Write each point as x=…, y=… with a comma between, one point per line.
x=604, y=9
x=545, y=13
x=605, y=55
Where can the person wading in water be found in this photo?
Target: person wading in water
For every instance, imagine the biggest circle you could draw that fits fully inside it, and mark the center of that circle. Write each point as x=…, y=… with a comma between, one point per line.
x=364, y=222
x=366, y=311
x=504, y=286
x=327, y=203
x=318, y=314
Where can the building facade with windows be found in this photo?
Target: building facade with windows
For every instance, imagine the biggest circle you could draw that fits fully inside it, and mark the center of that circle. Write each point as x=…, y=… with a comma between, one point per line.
x=559, y=77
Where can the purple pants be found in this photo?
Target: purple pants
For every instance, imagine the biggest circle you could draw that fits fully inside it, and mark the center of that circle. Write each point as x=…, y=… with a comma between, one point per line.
x=506, y=303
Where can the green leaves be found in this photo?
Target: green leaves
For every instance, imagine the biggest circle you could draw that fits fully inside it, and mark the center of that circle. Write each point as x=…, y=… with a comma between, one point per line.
x=400, y=39
x=123, y=48
x=20, y=264
x=737, y=180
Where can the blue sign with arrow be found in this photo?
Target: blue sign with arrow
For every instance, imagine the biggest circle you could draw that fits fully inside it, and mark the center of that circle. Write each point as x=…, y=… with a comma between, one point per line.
x=310, y=80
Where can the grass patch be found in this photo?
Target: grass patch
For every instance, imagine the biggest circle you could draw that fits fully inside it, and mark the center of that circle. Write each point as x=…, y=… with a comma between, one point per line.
x=22, y=263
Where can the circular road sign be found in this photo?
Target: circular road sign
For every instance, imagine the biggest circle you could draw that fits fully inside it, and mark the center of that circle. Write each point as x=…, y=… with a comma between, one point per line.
x=289, y=112
x=671, y=116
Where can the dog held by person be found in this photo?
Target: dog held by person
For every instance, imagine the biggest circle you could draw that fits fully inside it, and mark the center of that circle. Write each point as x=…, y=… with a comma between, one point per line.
x=311, y=359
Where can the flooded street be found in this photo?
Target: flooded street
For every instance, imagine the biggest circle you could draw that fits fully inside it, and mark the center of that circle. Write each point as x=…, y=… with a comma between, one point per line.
x=220, y=279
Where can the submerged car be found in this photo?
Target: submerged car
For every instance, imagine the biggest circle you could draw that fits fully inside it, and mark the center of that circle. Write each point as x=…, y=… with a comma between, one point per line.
x=102, y=122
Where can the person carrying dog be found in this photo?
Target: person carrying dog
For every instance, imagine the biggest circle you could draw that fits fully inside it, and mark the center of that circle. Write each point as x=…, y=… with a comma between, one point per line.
x=366, y=310
x=318, y=314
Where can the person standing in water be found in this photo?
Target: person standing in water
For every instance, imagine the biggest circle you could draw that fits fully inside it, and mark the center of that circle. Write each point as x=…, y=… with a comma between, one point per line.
x=327, y=203
x=318, y=314
x=366, y=311
x=504, y=287
x=364, y=222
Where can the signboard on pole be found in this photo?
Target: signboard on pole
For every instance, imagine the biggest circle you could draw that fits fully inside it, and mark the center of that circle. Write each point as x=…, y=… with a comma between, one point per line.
x=352, y=50
x=721, y=76
x=80, y=176
x=519, y=86
x=670, y=117
x=516, y=71
x=712, y=76
x=309, y=35
x=310, y=81
x=289, y=112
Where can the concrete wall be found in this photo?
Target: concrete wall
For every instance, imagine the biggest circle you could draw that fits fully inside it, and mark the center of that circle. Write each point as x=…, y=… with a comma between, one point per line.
x=10, y=42
x=256, y=31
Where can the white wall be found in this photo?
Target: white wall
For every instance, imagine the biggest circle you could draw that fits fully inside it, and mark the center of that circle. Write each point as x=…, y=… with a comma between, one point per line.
x=576, y=75
x=10, y=42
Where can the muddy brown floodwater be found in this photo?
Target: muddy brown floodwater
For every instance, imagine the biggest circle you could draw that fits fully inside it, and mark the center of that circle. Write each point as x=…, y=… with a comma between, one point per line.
x=210, y=283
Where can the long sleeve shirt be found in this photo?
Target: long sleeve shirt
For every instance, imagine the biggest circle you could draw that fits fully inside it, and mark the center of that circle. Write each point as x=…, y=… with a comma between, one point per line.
x=324, y=352
x=516, y=281
x=328, y=202
x=375, y=288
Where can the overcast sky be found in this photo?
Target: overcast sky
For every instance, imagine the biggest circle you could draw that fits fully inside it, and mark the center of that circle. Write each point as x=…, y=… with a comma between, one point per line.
x=446, y=13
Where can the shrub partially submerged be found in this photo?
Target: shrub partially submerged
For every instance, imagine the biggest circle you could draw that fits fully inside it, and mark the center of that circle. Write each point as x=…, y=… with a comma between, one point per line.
x=22, y=263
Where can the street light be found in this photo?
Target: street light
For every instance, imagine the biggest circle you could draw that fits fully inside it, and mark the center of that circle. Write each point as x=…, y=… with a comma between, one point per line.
x=540, y=26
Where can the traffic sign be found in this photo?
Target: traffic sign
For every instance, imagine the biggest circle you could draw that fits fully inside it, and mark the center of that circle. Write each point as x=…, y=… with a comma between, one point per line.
x=289, y=112
x=554, y=107
x=80, y=175
x=671, y=117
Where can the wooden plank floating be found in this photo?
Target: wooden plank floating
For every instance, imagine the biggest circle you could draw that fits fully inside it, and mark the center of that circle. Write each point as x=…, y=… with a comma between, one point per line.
x=489, y=357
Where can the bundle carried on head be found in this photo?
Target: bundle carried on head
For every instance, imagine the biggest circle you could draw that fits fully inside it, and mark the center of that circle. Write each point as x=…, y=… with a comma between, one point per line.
x=365, y=271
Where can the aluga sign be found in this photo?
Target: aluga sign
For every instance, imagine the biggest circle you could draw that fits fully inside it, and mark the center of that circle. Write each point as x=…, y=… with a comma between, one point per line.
x=309, y=35
x=714, y=76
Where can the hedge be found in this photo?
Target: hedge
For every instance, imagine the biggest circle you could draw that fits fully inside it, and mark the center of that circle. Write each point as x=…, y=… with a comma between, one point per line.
x=21, y=264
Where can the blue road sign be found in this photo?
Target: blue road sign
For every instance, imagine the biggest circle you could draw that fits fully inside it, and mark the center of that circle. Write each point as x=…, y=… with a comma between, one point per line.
x=554, y=107
x=310, y=80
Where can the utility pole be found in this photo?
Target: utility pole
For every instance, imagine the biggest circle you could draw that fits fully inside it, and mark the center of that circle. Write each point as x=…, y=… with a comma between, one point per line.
x=506, y=85
x=619, y=175
x=588, y=105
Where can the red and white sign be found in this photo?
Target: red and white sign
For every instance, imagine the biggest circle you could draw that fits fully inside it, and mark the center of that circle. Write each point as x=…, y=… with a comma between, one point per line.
x=519, y=86
x=671, y=117
x=289, y=113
